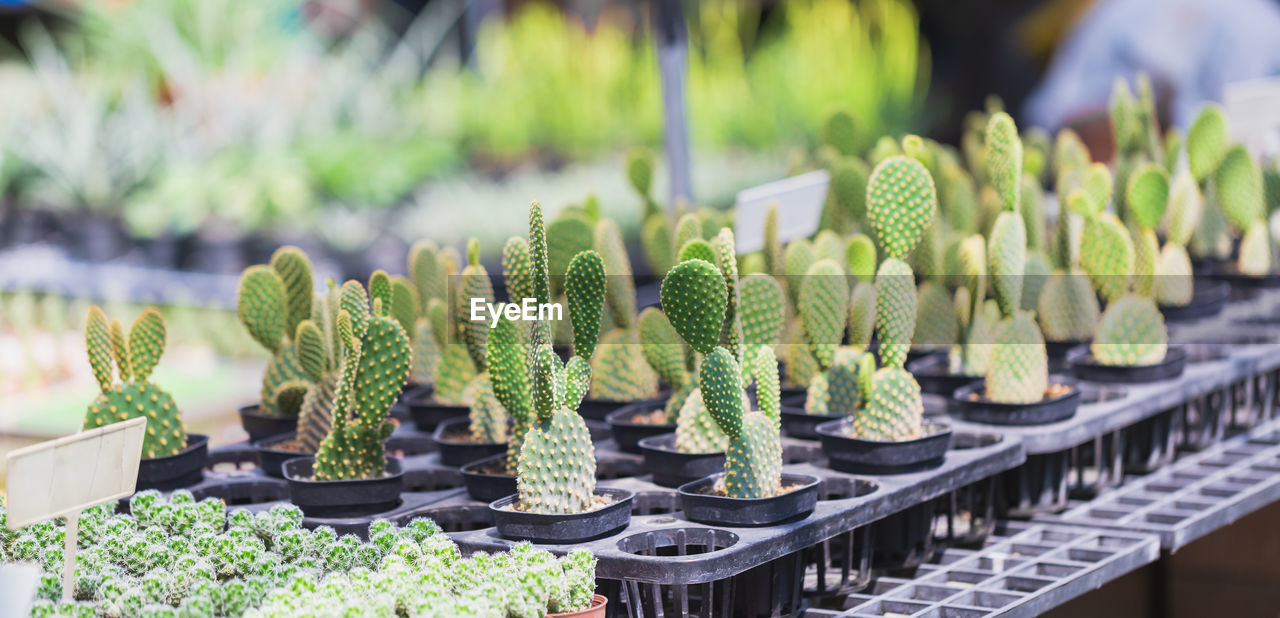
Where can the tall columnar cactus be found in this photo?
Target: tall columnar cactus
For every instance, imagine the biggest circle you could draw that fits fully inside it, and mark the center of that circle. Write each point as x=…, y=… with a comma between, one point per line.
x=1018, y=371
x=753, y=456
x=373, y=372
x=126, y=389
x=272, y=300
x=556, y=464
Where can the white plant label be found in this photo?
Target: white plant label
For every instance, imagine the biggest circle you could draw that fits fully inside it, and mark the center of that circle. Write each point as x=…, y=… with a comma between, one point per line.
x=18, y=584
x=61, y=478
x=799, y=199
x=1253, y=107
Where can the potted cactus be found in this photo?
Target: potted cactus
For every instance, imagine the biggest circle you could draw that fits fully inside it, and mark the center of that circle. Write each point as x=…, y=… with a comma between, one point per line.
x=670, y=359
x=442, y=365
x=1016, y=388
x=556, y=499
x=350, y=473
x=272, y=300
x=1131, y=341
x=752, y=490
x=690, y=294
x=483, y=432
x=887, y=431
x=122, y=365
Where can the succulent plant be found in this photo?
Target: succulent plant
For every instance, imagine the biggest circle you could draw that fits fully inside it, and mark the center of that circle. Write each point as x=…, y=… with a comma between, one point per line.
x=320, y=353
x=1239, y=188
x=1131, y=332
x=753, y=454
x=429, y=280
x=272, y=300
x=126, y=389
x=373, y=373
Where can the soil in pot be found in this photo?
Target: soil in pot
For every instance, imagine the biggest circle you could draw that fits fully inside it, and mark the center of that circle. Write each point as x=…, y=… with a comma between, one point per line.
x=612, y=513
x=456, y=446
x=635, y=422
x=859, y=456
x=1061, y=400
x=353, y=498
x=704, y=501
x=597, y=610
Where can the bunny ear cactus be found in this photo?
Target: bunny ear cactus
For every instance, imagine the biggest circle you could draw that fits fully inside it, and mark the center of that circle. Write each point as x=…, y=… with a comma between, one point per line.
x=773, y=264
x=893, y=409
x=862, y=314
x=640, y=165
x=753, y=457
x=937, y=324
x=620, y=291
x=1239, y=188
x=427, y=279
x=839, y=390
x=763, y=307
x=1147, y=196
x=665, y=353
x=133, y=395
x=824, y=297
x=1174, y=277
x=556, y=465
x=860, y=256
x=620, y=370
x=373, y=372
x=320, y=352
x=273, y=299
x=1207, y=142
x=1131, y=333
x=475, y=283
x=1068, y=307
x=798, y=257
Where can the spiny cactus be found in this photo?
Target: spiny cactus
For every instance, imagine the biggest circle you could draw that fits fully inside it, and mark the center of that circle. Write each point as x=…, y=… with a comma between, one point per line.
x=272, y=300
x=773, y=264
x=823, y=304
x=895, y=311
x=900, y=204
x=1239, y=188
x=619, y=368
x=893, y=409
x=971, y=353
x=840, y=132
x=1207, y=142
x=861, y=257
x=1130, y=333
x=666, y=354
x=126, y=390
x=321, y=353
x=1019, y=369
x=640, y=166
x=1107, y=255
x=655, y=238
x=937, y=324
x=567, y=236
x=620, y=289
x=1068, y=308
x=430, y=281
x=374, y=371
x=753, y=455
x=838, y=391
x=763, y=307
x=862, y=314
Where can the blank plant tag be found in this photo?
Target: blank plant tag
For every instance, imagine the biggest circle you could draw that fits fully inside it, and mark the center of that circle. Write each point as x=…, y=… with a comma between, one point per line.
x=799, y=199
x=1253, y=110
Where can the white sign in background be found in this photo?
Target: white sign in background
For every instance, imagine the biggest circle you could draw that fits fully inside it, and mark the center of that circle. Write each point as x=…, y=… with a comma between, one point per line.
x=1253, y=115
x=61, y=478
x=799, y=199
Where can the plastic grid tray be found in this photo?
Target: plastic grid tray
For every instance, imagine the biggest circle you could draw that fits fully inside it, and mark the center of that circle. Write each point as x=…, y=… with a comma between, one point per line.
x=1024, y=570
x=1194, y=496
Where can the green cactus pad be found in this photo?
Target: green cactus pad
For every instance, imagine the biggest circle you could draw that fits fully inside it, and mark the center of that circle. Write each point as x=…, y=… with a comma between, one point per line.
x=1238, y=184
x=763, y=308
x=1107, y=254
x=620, y=289
x=1148, y=195
x=694, y=299
x=1019, y=369
x=696, y=431
x=1007, y=259
x=487, y=419
x=1174, y=276
x=861, y=257
x=517, y=268
x=895, y=311
x=1130, y=333
x=662, y=347
x=1185, y=206
x=1003, y=159
x=753, y=461
x=720, y=382
x=862, y=314
x=823, y=304
x=1207, y=142
x=557, y=467
x=509, y=370
x=1255, y=250
x=261, y=306
x=894, y=409
x=900, y=204
x=1068, y=308
x=655, y=237
x=538, y=253
x=294, y=270
x=98, y=341
x=796, y=260
x=620, y=370
x=426, y=273
x=585, y=289
x=937, y=324
x=698, y=249
x=146, y=343
x=315, y=417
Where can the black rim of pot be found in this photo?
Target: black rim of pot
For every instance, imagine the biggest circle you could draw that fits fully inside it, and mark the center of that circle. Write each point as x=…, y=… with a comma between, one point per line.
x=600, y=409
x=627, y=435
x=798, y=423
x=559, y=529
x=486, y=486
x=182, y=469
x=983, y=410
x=672, y=468
x=856, y=455
x=454, y=453
x=1208, y=298
x=260, y=426
x=1086, y=368
x=426, y=413
x=706, y=508
x=934, y=376
x=271, y=460
x=347, y=498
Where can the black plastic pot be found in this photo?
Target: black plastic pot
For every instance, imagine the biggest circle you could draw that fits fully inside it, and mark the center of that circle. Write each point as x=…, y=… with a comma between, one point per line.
x=576, y=528
x=701, y=506
x=425, y=412
x=459, y=453
x=671, y=468
x=934, y=376
x=855, y=455
x=1208, y=298
x=600, y=409
x=800, y=424
x=259, y=425
x=983, y=410
x=627, y=434
x=1229, y=273
x=1058, y=352
x=1086, y=368
x=271, y=460
x=342, y=498
x=485, y=486
x=184, y=469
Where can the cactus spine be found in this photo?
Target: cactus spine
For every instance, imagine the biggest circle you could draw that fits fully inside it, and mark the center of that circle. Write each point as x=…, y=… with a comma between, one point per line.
x=126, y=390
x=273, y=299
x=753, y=455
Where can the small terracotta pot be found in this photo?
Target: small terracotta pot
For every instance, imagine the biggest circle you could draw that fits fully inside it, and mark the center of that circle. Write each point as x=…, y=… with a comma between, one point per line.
x=598, y=603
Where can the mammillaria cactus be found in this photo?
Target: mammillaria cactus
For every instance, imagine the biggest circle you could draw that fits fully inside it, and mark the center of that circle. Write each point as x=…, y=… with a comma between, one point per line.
x=374, y=371
x=272, y=300
x=134, y=395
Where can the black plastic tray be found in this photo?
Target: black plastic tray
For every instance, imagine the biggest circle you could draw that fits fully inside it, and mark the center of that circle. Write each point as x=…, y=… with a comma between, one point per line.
x=354, y=498
x=802, y=425
x=487, y=487
x=425, y=412
x=597, y=409
x=259, y=425
x=983, y=410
